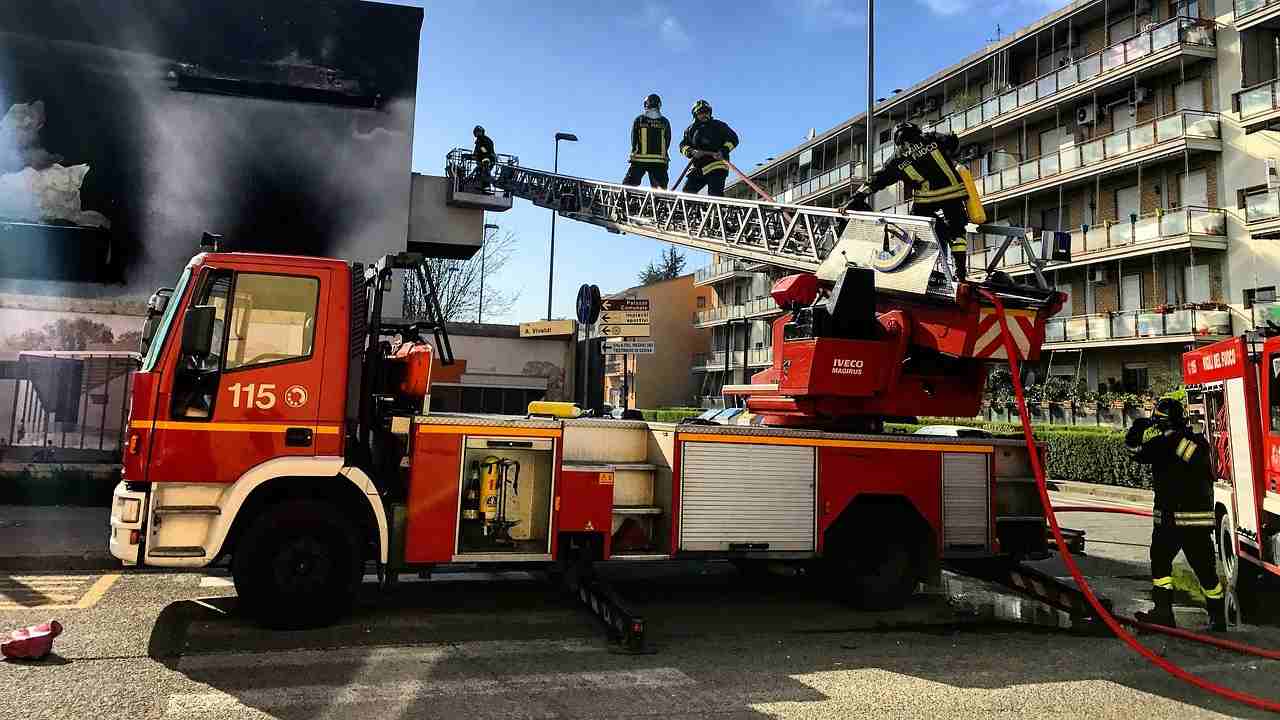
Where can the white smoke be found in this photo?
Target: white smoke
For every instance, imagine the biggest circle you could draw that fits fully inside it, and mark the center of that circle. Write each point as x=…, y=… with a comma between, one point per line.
x=41, y=189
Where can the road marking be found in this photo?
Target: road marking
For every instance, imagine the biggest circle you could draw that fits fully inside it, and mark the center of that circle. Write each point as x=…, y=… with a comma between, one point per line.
x=216, y=582
x=53, y=592
x=222, y=704
x=473, y=650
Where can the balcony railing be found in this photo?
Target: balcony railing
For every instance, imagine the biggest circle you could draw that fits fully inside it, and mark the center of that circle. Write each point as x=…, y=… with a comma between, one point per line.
x=718, y=270
x=801, y=189
x=1131, y=324
x=760, y=306
x=719, y=313
x=1244, y=8
x=760, y=356
x=713, y=360
x=1184, y=30
x=1262, y=206
x=1180, y=125
x=1155, y=227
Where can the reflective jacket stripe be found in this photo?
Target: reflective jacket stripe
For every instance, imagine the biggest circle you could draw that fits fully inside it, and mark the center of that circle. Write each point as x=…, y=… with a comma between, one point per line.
x=714, y=165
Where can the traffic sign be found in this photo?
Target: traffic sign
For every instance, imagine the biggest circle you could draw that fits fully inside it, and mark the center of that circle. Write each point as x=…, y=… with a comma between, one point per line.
x=624, y=330
x=624, y=317
x=629, y=348
x=588, y=305
x=547, y=328
x=624, y=304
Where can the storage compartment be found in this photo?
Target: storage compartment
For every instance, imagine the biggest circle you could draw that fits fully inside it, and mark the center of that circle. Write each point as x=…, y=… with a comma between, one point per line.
x=506, y=490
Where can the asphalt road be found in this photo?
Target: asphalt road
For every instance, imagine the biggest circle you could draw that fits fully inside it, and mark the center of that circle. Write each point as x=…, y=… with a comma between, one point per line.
x=171, y=645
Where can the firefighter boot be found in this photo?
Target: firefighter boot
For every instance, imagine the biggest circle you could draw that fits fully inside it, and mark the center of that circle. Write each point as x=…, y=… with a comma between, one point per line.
x=1217, y=608
x=1162, y=614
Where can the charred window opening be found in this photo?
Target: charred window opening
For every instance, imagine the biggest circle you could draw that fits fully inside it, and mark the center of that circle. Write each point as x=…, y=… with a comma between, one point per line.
x=277, y=81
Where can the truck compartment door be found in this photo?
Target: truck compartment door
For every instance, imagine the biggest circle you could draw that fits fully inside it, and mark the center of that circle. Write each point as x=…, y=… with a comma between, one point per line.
x=737, y=496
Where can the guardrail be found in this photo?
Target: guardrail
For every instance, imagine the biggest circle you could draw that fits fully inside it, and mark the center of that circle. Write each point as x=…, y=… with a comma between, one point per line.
x=1131, y=324
x=718, y=313
x=1244, y=8
x=1180, y=30
x=1179, y=125
x=718, y=270
x=1152, y=227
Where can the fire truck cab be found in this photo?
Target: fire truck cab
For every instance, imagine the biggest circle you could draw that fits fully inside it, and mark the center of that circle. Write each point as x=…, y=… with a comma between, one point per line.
x=279, y=422
x=1234, y=389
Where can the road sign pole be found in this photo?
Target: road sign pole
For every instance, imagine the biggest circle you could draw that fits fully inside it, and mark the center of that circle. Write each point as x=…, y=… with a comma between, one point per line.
x=626, y=390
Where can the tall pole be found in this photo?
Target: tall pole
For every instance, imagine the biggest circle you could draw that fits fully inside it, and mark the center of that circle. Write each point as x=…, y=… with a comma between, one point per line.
x=484, y=240
x=551, y=264
x=871, y=86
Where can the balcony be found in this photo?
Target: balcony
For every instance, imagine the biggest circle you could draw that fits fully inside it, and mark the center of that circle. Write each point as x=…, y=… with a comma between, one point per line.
x=1258, y=106
x=1253, y=13
x=721, y=271
x=1163, y=137
x=1161, y=231
x=760, y=357
x=1137, y=327
x=848, y=174
x=718, y=315
x=1262, y=214
x=1263, y=313
x=760, y=307
x=709, y=361
x=1150, y=52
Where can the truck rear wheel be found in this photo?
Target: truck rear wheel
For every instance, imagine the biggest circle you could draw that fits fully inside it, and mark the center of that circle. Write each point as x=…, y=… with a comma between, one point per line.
x=298, y=566
x=876, y=571
x=1242, y=576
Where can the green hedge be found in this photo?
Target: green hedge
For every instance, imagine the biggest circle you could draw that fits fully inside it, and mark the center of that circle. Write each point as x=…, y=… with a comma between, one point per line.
x=1083, y=454
x=671, y=415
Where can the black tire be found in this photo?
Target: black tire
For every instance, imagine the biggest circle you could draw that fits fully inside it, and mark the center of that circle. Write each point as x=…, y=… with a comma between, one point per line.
x=298, y=565
x=876, y=572
x=1242, y=577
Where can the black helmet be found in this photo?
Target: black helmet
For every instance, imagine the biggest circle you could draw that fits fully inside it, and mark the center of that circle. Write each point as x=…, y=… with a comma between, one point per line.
x=1169, y=409
x=906, y=132
x=652, y=102
x=478, y=131
x=701, y=106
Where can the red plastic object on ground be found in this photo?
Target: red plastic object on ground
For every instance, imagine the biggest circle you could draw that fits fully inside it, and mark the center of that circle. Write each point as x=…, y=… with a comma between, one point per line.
x=32, y=642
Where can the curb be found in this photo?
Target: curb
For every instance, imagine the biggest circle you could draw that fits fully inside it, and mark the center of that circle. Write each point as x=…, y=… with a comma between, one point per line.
x=87, y=562
x=1135, y=495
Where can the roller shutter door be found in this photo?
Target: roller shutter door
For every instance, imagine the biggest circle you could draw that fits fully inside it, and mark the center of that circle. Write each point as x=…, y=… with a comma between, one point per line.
x=731, y=494
x=966, y=508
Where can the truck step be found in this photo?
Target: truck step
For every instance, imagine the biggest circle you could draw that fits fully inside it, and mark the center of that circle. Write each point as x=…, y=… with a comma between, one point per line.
x=177, y=551
x=188, y=510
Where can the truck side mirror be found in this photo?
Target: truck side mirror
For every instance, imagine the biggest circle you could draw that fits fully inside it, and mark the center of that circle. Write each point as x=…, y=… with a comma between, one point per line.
x=197, y=331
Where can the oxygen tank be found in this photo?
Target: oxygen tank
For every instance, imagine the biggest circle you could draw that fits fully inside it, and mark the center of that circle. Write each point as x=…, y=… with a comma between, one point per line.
x=489, y=479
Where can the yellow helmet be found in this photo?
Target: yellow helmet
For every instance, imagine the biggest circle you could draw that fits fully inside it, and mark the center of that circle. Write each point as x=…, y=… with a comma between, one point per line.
x=700, y=107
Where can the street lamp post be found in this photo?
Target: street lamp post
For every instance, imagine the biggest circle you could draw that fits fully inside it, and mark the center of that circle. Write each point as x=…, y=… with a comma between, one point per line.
x=484, y=242
x=551, y=264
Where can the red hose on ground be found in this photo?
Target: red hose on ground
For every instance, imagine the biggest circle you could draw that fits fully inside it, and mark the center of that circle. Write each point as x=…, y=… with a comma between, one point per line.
x=1107, y=618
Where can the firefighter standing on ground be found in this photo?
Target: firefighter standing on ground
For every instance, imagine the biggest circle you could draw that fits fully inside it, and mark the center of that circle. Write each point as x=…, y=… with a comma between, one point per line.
x=484, y=156
x=1183, y=512
x=650, y=143
x=925, y=164
x=707, y=143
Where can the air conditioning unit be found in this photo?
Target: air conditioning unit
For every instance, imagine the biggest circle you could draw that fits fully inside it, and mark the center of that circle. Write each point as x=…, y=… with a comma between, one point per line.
x=1086, y=114
x=1139, y=95
x=1098, y=276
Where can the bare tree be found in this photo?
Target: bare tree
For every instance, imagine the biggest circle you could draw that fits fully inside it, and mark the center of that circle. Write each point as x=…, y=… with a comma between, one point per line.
x=670, y=265
x=458, y=284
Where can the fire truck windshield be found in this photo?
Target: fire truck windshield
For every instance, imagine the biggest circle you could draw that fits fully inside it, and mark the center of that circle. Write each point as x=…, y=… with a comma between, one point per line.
x=166, y=320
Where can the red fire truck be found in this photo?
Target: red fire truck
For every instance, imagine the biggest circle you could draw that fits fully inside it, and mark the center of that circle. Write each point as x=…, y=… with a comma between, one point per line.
x=1234, y=389
x=262, y=430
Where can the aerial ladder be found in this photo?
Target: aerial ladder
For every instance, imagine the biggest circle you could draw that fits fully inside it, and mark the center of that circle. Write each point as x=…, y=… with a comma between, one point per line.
x=876, y=324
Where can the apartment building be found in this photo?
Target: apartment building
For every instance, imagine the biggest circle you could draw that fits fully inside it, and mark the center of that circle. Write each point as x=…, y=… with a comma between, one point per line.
x=1142, y=128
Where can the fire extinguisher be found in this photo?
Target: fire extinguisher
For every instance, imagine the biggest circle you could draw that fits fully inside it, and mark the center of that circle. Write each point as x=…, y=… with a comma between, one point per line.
x=490, y=478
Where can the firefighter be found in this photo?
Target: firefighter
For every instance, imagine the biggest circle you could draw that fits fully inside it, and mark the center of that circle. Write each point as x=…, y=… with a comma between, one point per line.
x=650, y=143
x=707, y=143
x=925, y=163
x=1183, y=512
x=484, y=155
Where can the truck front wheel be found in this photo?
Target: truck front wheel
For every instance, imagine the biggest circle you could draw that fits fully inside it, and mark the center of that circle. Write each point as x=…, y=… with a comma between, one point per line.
x=298, y=565
x=880, y=573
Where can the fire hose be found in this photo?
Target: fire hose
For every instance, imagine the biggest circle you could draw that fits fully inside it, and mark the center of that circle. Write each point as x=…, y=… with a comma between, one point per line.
x=1111, y=621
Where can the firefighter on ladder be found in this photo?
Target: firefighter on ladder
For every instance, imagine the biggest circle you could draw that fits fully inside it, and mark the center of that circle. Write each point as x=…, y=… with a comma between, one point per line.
x=650, y=143
x=1183, y=512
x=938, y=187
x=484, y=156
x=707, y=143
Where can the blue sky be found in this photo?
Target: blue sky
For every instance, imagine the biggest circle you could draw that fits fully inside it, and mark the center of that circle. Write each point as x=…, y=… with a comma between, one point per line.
x=772, y=69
